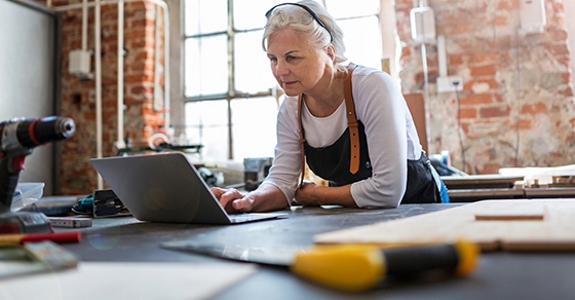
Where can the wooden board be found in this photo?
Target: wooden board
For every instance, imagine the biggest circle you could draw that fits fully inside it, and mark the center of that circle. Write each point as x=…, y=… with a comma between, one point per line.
x=416, y=104
x=542, y=224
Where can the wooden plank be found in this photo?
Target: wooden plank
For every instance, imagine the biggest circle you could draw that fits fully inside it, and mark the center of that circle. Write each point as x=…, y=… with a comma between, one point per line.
x=555, y=230
x=507, y=217
x=513, y=213
x=416, y=104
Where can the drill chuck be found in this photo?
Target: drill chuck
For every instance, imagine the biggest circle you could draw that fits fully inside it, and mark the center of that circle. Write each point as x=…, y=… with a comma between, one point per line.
x=32, y=133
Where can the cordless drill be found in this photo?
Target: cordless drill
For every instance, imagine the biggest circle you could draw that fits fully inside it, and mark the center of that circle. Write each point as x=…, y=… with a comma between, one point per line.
x=18, y=137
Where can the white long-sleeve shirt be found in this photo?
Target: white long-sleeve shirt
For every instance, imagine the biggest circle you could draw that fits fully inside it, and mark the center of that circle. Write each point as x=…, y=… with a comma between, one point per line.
x=391, y=138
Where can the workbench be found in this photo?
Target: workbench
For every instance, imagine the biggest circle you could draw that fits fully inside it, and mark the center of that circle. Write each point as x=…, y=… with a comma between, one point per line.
x=494, y=186
x=500, y=275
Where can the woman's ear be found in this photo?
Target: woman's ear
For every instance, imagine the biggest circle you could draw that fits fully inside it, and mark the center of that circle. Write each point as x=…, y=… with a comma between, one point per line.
x=330, y=50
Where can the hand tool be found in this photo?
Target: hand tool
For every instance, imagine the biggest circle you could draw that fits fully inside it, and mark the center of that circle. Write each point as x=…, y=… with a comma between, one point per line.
x=350, y=267
x=57, y=237
x=70, y=222
x=18, y=137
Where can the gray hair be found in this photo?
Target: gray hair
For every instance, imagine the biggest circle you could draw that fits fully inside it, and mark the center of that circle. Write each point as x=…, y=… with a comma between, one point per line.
x=301, y=20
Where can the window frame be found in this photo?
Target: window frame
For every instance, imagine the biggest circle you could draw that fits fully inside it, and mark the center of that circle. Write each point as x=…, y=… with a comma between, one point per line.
x=177, y=66
x=231, y=93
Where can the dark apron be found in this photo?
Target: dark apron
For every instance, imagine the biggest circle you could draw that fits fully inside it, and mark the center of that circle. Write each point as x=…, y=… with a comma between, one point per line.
x=332, y=163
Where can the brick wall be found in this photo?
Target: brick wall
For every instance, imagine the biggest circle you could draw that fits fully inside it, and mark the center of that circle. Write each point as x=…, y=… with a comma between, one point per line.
x=78, y=96
x=517, y=106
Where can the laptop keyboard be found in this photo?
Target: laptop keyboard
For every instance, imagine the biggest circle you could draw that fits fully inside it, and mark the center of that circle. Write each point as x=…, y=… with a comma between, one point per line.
x=252, y=217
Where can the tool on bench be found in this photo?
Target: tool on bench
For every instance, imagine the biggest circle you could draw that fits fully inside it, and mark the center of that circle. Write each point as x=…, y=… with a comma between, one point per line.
x=350, y=267
x=18, y=137
x=57, y=237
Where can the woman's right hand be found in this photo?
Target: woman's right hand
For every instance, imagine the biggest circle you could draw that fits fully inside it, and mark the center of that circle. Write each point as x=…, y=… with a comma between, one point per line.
x=227, y=197
x=265, y=198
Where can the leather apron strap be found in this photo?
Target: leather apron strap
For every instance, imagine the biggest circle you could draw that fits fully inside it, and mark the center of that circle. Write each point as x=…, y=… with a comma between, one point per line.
x=351, y=122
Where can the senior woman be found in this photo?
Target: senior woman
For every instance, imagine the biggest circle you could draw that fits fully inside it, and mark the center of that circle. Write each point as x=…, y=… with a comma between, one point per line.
x=350, y=123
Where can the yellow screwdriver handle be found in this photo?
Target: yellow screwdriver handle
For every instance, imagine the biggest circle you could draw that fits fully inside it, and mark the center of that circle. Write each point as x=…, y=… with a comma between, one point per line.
x=360, y=267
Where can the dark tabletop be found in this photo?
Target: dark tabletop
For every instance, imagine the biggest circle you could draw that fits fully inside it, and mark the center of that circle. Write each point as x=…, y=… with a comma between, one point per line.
x=499, y=275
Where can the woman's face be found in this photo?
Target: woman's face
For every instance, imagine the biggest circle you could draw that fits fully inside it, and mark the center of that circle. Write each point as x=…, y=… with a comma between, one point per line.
x=296, y=64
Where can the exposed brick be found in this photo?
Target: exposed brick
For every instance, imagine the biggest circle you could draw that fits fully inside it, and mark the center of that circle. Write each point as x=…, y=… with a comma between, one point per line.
x=488, y=70
x=455, y=59
x=135, y=7
x=568, y=92
x=488, y=153
x=492, y=83
x=566, y=77
x=483, y=57
x=468, y=113
x=89, y=116
x=501, y=20
x=468, y=85
x=489, y=168
x=508, y=5
x=559, y=35
x=133, y=78
x=147, y=110
x=134, y=33
x=474, y=99
x=503, y=42
x=141, y=90
x=559, y=6
x=419, y=77
x=465, y=127
x=495, y=111
x=145, y=55
x=535, y=108
x=564, y=60
x=559, y=49
x=524, y=124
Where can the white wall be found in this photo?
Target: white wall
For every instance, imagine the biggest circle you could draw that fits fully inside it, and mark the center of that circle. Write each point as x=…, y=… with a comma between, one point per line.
x=27, y=82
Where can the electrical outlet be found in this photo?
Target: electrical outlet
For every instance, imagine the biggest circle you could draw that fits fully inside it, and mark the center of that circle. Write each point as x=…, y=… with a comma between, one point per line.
x=449, y=84
x=79, y=63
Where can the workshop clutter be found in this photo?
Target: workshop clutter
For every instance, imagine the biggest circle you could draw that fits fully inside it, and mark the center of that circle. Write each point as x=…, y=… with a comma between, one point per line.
x=256, y=170
x=26, y=193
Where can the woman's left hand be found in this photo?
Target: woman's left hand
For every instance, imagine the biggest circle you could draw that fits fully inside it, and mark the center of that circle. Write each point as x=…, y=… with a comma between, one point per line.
x=306, y=194
x=309, y=194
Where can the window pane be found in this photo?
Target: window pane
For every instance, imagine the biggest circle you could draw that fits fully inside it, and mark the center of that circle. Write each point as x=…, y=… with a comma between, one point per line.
x=362, y=40
x=206, y=69
x=250, y=14
x=252, y=67
x=195, y=16
x=344, y=9
x=254, y=127
x=206, y=124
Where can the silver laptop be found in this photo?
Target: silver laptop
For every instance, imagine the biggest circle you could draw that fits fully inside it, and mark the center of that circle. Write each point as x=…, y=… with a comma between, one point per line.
x=166, y=187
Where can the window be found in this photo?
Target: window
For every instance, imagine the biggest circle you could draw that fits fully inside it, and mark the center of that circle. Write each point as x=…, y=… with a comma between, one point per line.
x=230, y=93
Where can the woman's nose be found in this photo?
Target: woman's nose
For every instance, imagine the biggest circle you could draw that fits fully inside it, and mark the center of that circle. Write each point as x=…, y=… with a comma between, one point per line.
x=281, y=69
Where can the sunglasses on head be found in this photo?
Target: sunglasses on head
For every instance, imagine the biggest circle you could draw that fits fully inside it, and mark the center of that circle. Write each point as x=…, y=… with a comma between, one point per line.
x=311, y=12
